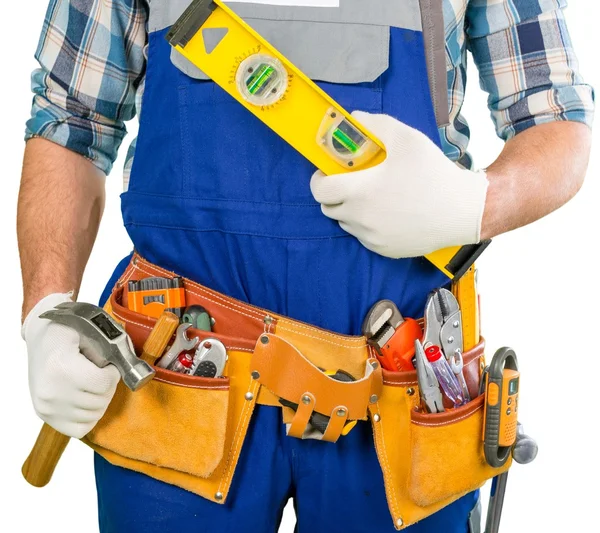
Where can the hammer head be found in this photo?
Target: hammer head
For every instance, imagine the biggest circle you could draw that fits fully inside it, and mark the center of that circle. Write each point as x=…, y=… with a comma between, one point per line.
x=102, y=340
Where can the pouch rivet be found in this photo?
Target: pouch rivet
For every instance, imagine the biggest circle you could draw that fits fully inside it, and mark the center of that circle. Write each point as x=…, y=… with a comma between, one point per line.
x=268, y=320
x=219, y=496
x=249, y=396
x=255, y=375
x=399, y=522
x=306, y=400
x=410, y=391
x=264, y=339
x=376, y=418
x=373, y=398
x=374, y=364
x=341, y=412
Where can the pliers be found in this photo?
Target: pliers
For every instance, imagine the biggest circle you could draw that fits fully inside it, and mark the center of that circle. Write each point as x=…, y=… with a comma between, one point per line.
x=443, y=328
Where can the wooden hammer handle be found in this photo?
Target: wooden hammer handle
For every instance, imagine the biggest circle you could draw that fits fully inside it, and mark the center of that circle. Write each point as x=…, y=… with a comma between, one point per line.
x=45, y=454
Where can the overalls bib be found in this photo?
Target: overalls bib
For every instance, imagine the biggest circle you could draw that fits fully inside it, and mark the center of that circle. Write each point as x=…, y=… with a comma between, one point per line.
x=217, y=197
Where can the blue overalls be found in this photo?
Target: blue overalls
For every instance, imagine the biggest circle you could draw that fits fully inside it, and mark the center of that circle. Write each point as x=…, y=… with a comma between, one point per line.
x=217, y=197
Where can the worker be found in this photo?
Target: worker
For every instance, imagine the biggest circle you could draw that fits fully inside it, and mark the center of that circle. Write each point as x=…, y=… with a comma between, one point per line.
x=212, y=194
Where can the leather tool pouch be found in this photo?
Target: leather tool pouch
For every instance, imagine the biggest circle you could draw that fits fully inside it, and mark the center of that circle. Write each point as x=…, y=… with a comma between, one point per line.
x=189, y=431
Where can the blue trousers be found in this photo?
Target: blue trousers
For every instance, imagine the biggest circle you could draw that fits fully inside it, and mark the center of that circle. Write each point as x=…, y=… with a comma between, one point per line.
x=336, y=488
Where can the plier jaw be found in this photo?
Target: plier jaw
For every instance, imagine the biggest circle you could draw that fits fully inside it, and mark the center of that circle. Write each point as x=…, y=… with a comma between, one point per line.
x=443, y=323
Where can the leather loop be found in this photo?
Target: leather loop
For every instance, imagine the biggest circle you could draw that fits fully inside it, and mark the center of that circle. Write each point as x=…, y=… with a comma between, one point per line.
x=289, y=374
x=338, y=419
x=301, y=419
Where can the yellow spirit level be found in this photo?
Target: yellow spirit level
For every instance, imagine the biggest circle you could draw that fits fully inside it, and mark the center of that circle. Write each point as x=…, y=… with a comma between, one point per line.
x=246, y=66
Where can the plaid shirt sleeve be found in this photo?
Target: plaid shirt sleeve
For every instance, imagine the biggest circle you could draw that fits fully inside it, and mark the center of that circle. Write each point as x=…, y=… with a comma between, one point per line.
x=91, y=56
x=527, y=64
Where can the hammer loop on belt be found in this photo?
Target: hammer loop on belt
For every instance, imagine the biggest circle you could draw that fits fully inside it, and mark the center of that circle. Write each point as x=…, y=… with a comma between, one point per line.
x=288, y=374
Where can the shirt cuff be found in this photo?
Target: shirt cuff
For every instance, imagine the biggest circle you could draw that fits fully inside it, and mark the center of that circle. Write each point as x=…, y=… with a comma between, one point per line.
x=569, y=103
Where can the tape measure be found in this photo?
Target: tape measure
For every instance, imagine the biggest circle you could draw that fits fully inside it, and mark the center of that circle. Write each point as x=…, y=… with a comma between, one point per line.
x=245, y=65
x=501, y=406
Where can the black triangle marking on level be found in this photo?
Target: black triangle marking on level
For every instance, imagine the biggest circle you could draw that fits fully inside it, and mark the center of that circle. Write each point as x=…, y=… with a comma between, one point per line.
x=212, y=37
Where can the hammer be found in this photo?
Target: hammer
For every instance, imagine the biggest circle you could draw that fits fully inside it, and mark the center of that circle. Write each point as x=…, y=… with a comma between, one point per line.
x=103, y=341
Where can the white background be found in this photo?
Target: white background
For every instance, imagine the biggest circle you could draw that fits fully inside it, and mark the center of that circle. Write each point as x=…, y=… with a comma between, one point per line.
x=540, y=296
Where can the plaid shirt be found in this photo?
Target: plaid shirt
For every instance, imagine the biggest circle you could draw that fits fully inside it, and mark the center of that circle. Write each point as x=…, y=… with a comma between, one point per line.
x=92, y=65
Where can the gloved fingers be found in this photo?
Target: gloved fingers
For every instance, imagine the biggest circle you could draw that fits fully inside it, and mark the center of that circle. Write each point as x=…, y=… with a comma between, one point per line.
x=395, y=134
x=384, y=127
x=335, y=212
x=86, y=401
x=76, y=430
x=329, y=190
x=100, y=381
x=83, y=416
x=86, y=376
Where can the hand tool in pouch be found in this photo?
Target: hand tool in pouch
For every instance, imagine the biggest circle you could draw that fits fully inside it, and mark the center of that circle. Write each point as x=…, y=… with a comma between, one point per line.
x=198, y=317
x=181, y=344
x=246, y=66
x=209, y=359
x=392, y=336
x=443, y=328
x=103, y=341
x=429, y=388
x=152, y=296
x=445, y=376
x=159, y=337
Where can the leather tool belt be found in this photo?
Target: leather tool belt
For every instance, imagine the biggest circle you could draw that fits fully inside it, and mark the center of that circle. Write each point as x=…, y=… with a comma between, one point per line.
x=428, y=460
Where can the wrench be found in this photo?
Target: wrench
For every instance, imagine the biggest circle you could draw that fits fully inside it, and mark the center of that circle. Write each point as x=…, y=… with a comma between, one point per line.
x=181, y=344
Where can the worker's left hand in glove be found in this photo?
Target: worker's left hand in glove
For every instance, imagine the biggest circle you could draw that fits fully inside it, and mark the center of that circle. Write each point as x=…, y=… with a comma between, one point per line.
x=417, y=201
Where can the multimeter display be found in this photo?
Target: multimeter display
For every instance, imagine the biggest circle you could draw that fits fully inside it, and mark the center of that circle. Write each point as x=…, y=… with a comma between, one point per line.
x=106, y=326
x=513, y=386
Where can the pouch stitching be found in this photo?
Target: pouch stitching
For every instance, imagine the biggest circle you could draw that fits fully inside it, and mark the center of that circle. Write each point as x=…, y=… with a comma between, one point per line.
x=204, y=387
x=322, y=340
x=130, y=321
x=450, y=422
x=334, y=335
x=237, y=438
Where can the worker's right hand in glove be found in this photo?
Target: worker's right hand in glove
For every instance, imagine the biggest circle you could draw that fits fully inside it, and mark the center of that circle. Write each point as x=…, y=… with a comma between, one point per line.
x=69, y=392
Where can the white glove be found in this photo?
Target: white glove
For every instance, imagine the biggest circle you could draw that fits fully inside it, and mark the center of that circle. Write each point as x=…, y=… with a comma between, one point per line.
x=417, y=201
x=68, y=392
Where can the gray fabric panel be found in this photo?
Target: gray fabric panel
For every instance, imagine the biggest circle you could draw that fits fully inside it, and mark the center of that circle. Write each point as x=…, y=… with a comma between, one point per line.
x=435, y=52
x=186, y=66
x=339, y=53
x=397, y=13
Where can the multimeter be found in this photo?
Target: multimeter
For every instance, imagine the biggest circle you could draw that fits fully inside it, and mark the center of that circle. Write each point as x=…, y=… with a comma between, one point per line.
x=501, y=406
